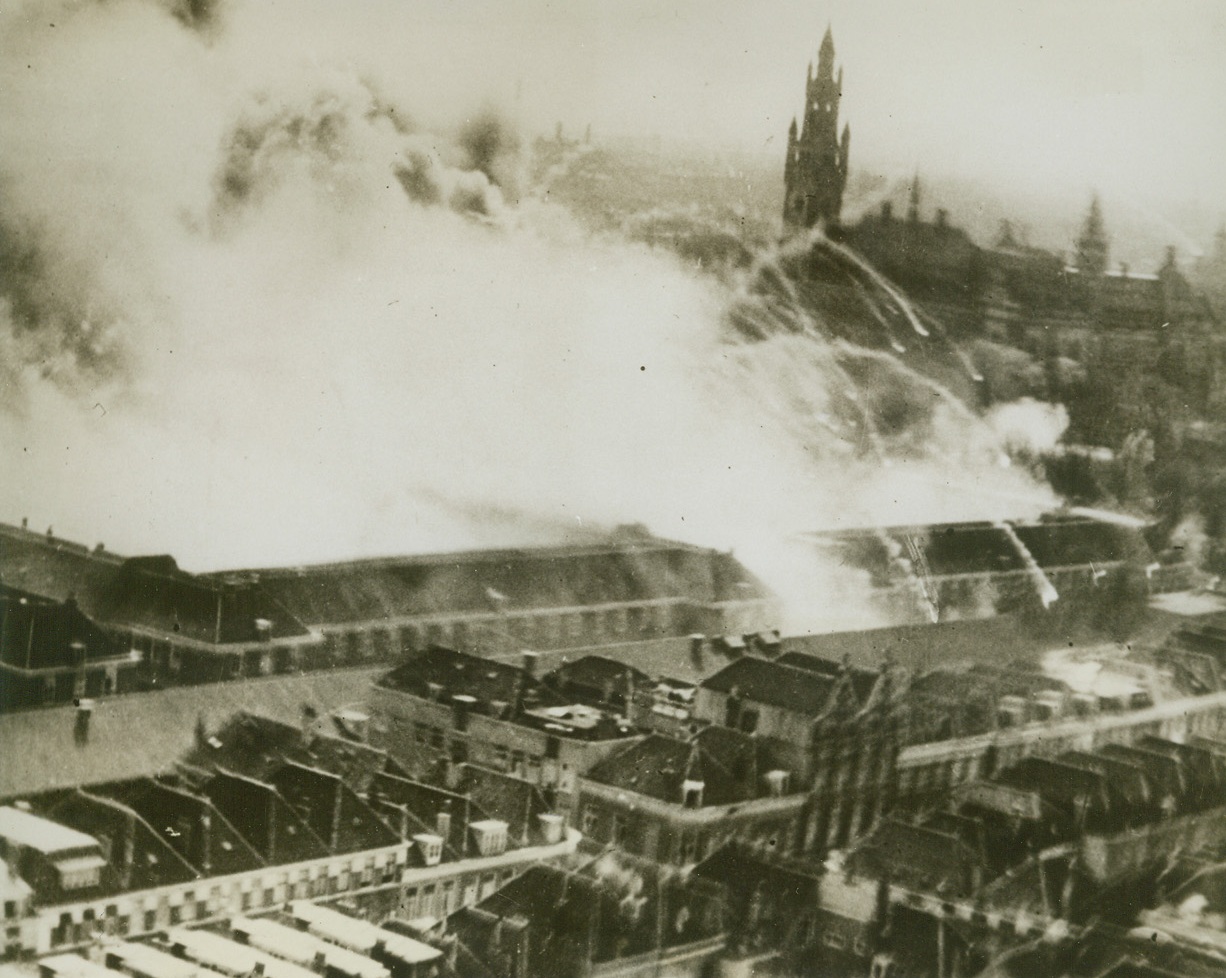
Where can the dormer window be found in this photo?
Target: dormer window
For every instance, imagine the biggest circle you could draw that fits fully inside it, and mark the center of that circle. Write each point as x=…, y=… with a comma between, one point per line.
x=490, y=836
x=430, y=847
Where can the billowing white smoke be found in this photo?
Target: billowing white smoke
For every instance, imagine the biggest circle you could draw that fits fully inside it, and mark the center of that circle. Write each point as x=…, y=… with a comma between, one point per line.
x=1027, y=426
x=260, y=318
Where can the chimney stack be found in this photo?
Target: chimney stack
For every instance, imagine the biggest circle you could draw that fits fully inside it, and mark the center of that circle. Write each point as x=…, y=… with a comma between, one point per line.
x=530, y=659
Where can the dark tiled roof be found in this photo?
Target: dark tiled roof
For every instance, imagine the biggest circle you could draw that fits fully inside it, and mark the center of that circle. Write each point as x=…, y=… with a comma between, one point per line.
x=725, y=760
x=493, y=580
x=504, y=797
x=38, y=632
x=762, y=681
x=1071, y=542
x=981, y=547
x=335, y=813
x=916, y=857
x=594, y=671
x=862, y=680
x=256, y=746
x=486, y=680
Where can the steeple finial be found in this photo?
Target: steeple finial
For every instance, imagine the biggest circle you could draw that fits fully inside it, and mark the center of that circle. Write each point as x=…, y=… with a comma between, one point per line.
x=825, y=56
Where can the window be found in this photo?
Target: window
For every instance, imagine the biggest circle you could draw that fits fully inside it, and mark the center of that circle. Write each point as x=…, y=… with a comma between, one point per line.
x=10, y=909
x=151, y=919
x=553, y=747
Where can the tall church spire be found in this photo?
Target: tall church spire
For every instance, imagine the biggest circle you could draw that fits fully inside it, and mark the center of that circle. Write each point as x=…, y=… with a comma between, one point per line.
x=815, y=171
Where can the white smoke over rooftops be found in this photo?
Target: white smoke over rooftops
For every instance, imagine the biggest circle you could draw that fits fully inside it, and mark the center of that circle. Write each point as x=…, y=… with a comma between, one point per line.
x=316, y=331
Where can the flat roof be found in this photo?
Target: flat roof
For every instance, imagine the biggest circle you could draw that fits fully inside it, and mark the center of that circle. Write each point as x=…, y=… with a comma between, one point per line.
x=23, y=829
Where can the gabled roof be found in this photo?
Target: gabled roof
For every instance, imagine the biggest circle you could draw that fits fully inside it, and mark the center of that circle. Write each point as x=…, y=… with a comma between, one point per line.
x=595, y=672
x=763, y=681
x=452, y=672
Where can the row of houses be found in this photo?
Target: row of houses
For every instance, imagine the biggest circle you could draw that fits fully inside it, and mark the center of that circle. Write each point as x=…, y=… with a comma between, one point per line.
x=260, y=813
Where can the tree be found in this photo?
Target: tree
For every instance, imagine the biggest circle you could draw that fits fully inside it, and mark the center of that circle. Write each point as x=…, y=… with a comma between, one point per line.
x=1092, y=245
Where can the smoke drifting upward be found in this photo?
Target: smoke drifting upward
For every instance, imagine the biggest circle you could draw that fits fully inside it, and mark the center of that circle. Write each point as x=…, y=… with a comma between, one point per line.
x=252, y=314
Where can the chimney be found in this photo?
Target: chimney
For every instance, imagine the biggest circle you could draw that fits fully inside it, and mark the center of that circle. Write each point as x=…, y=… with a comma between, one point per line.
x=77, y=652
x=530, y=664
x=80, y=731
x=309, y=717
x=127, y=851
x=461, y=705
x=552, y=827
x=320, y=964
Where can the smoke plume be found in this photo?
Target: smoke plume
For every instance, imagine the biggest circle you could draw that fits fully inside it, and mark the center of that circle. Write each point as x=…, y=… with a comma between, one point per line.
x=255, y=311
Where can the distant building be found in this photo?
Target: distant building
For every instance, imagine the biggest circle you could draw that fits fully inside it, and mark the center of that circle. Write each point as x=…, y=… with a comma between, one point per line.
x=51, y=651
x=815, y=172
x=1034, y=850
x=934, y=260
x=946, y=572
x=142, y=622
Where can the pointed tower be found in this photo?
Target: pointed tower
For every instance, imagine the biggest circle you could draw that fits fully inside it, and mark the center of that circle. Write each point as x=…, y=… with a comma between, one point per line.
x=815, y=171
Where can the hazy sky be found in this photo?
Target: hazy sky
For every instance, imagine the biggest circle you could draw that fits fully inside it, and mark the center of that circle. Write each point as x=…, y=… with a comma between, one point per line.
x=1117, y=94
